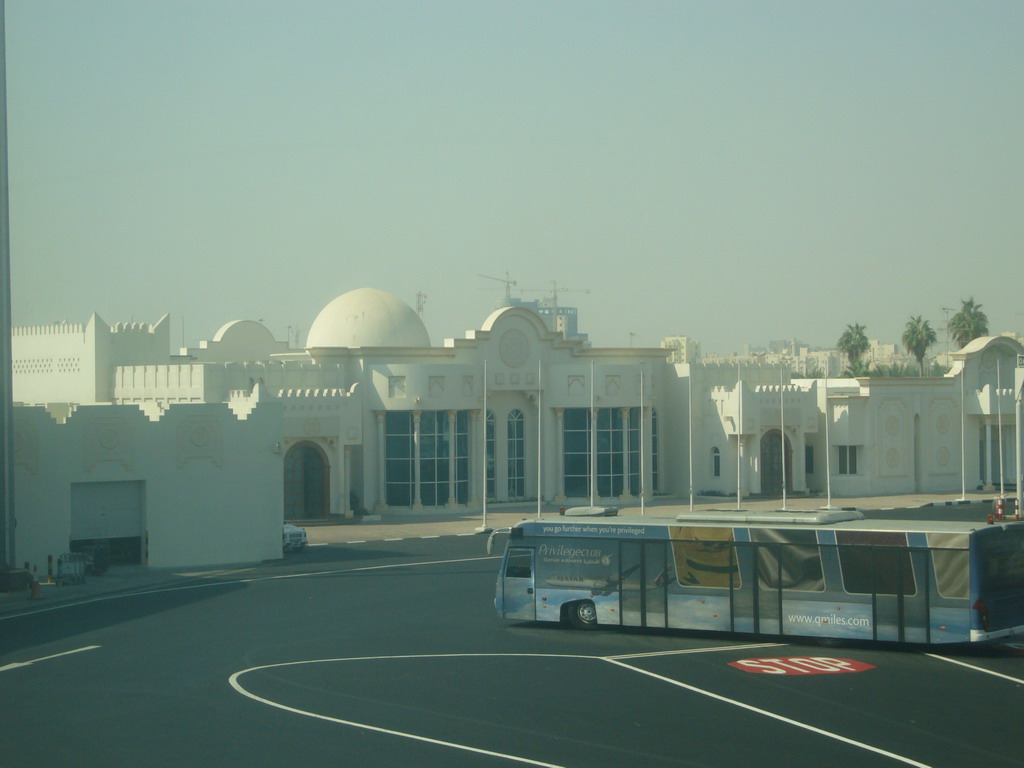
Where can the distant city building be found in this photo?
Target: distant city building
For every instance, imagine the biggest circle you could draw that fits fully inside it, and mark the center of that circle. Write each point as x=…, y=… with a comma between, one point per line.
x=564, y=320
x=684, y=349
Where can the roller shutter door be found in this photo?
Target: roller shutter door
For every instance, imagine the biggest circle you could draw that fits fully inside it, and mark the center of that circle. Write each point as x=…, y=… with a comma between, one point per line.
x=106, y=510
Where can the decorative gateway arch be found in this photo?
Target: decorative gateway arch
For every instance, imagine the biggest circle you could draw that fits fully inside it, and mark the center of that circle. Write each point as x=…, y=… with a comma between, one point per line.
x=307, y=485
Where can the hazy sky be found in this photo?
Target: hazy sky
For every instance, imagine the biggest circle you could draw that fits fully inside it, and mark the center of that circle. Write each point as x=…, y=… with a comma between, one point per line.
x=732, y=171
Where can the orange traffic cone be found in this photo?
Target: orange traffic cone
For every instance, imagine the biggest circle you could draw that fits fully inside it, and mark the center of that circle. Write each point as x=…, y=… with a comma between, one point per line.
x=37, y=591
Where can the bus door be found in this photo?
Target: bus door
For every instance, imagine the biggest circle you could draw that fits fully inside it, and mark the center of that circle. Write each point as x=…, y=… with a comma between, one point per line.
x=899, y=607
x=518, y=598
x=743, y=589
x=643, y=583
x=879, y=566
x=768, y=589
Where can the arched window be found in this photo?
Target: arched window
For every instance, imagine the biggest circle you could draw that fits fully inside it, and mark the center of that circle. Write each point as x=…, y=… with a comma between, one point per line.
x=516, y=455
x=716, y=462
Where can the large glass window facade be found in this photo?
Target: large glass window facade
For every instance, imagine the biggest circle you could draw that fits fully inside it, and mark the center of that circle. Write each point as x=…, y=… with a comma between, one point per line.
x=655, y=460
x=609, y=452
x=576, y=442
x=516, y=440
x=438, y=447
x=490, y=454
x=398, y=458
x=435, y=449
x=618, y=451
x=462, y=462
x=633, y=433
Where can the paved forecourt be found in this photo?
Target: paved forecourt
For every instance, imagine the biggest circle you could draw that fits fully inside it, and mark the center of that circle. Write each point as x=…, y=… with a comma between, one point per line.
x=430, y=523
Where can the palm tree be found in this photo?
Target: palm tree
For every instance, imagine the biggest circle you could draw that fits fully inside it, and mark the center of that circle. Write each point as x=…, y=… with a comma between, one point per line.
x=917, y=337
x=968, y=324
x=857, y=369
x=853, y=343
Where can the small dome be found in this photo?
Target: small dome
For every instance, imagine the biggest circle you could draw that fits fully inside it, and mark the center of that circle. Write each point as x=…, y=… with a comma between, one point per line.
x=367, y=317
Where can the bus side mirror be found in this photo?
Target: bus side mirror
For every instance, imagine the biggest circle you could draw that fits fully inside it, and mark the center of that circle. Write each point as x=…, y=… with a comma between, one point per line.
x=490, y=539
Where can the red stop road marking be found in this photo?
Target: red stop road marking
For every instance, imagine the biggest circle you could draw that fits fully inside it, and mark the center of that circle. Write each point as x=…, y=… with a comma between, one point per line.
x=800, y=665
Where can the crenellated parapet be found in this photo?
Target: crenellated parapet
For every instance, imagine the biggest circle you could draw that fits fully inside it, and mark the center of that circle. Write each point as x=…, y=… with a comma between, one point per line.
x=63, y=328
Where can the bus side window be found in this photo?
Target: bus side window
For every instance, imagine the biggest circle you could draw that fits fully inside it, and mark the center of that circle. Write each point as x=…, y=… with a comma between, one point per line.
x=519, y=562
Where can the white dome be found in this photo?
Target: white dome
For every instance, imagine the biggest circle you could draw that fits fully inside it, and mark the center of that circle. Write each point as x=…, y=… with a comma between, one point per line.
x=367, y=317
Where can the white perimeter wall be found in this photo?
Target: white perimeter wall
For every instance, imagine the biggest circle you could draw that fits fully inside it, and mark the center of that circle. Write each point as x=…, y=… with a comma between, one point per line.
x=213, y=486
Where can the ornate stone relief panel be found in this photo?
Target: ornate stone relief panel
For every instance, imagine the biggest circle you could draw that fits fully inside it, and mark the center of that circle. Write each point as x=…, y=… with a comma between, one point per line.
x=109, y=439
x=200, y=437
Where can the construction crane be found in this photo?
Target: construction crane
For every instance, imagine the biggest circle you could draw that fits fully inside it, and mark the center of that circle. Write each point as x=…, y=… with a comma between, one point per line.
x=509, y=282
x=554, y=290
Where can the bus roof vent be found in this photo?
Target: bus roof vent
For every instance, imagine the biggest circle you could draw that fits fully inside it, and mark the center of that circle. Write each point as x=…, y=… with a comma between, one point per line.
x=591, y=512
x=777, y=516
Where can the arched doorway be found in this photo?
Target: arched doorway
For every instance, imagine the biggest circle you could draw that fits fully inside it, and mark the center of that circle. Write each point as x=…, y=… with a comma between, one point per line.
x=306, y=482
x=771, y=463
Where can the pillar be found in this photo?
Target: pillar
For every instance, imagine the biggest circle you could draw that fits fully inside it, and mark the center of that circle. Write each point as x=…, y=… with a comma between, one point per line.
x=417, y=498
x=626, y=494
x=382, y=498
x=452, y=500
x=559, y=454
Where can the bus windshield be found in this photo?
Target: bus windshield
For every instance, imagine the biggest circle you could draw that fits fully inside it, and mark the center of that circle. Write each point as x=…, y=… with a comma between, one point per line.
x=1001, y=559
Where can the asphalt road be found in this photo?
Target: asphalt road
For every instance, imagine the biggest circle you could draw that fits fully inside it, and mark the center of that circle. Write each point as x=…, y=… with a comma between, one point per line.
x=390, y=654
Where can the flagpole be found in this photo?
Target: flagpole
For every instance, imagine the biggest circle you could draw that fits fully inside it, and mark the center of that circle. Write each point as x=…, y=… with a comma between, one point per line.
x=963, y=436
x=593, y=437
x=782, y=429
x=739, y=433
x=828, y=450
x=642, y=476
x=540, y=418
x=689, y=425
x=483, y=524
x=999, y=426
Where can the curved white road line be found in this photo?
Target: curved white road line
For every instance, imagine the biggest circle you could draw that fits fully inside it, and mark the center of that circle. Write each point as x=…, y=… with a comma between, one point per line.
x=377, y=729
x=616, y=660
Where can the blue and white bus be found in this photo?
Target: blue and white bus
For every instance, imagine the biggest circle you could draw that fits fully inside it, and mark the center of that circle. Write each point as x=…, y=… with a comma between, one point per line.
x=823, y=574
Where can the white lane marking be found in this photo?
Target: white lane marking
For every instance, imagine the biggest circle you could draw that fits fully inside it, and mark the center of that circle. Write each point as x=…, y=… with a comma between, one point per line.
x=252, y=580
x=694, y=650
x=377, y=729
x=17, y=664
x=610, y=659
x=319, y=544
x=772, y=715
x=977, y=669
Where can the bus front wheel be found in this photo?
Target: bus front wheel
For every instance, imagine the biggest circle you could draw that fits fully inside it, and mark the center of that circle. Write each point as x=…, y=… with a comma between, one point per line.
x=583, y=615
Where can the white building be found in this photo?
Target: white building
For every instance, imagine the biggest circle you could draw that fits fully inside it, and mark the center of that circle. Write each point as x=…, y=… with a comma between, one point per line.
x=118, y=439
